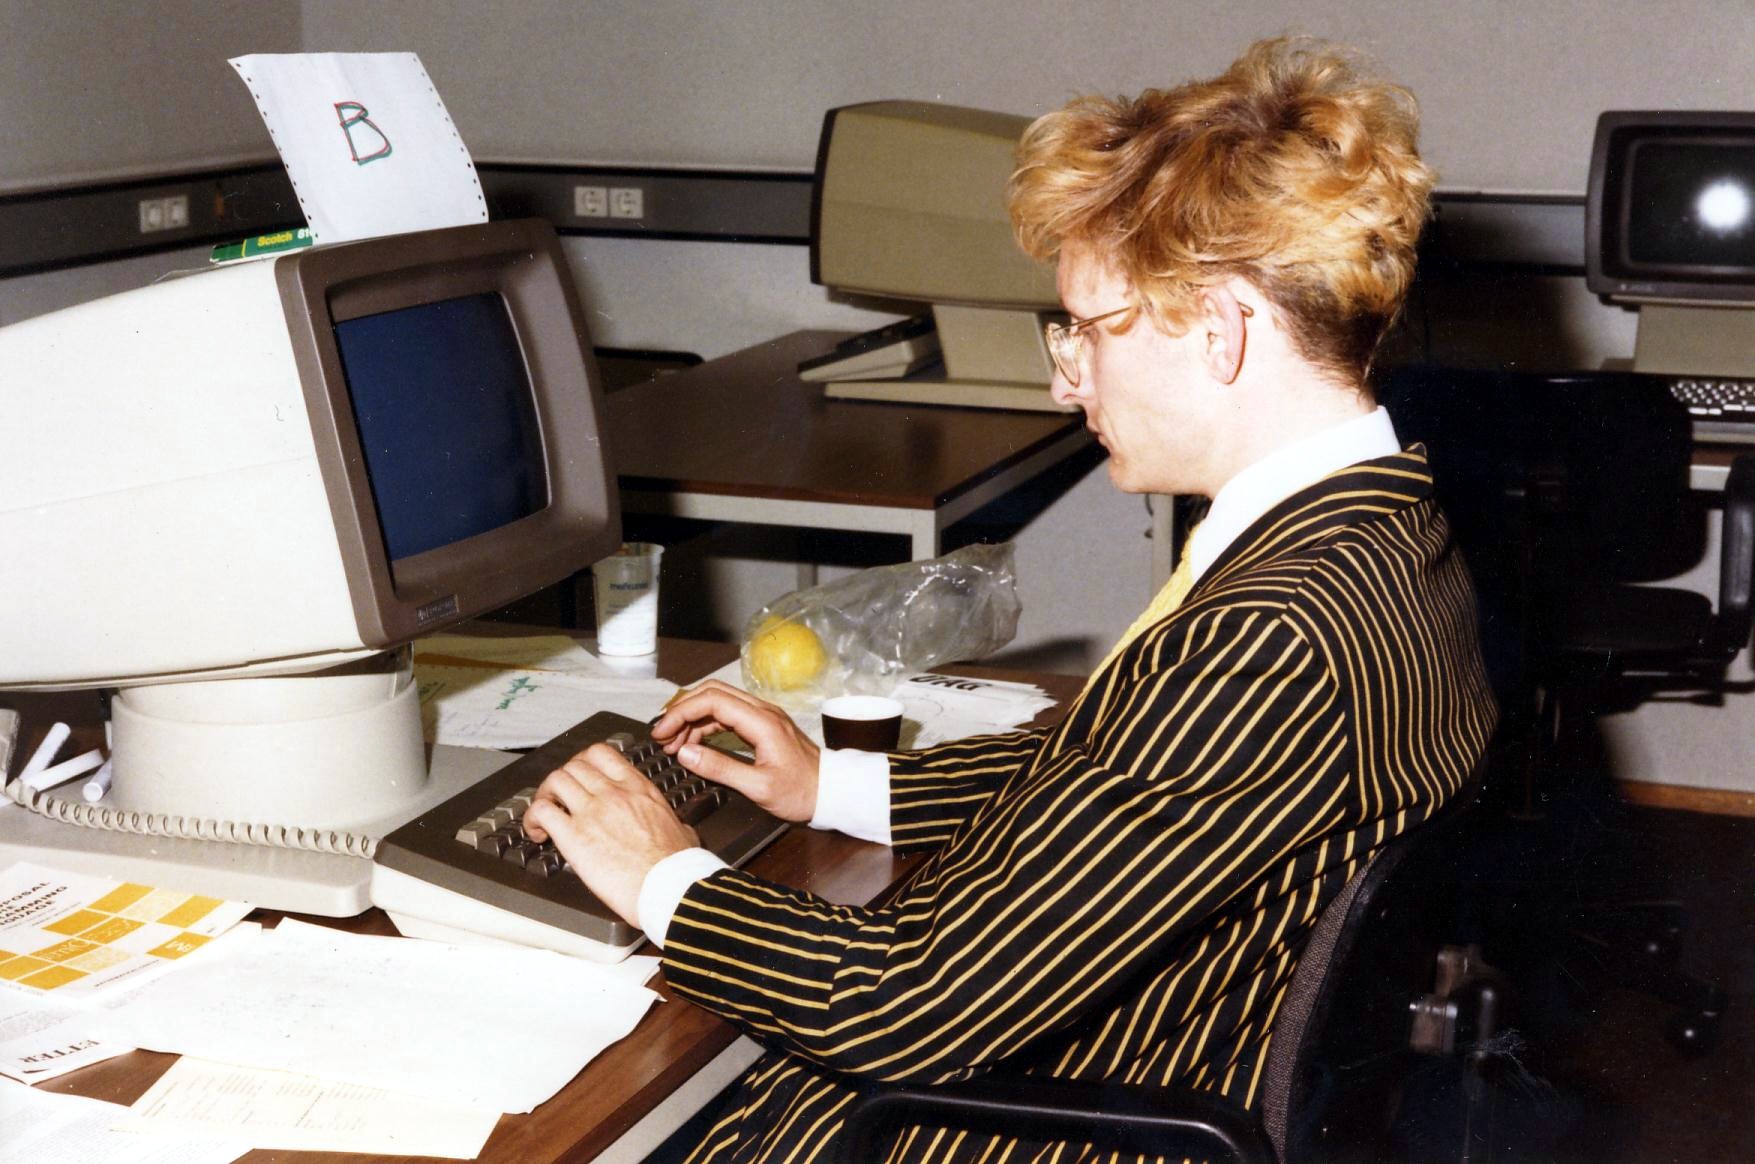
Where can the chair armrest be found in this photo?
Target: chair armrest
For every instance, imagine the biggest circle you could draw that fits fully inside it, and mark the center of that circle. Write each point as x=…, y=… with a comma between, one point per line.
x=1149, y=1120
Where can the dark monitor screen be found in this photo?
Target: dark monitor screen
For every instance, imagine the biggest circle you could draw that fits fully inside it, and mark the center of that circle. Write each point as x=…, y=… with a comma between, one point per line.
x=1691, y=203
x=1670, y=209
x=446, y=420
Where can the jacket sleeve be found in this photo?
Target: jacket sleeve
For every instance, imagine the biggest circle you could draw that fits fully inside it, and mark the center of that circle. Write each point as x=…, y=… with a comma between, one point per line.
x=933, y=792
x=1098, y=858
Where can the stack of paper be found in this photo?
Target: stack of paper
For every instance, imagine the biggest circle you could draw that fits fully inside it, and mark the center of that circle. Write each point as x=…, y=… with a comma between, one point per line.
x=947, y=707
x=302, y=1037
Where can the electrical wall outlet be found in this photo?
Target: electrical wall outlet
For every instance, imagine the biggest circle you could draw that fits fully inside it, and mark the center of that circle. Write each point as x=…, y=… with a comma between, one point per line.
x=590, y=202
x=627, y=202
x=169, y=213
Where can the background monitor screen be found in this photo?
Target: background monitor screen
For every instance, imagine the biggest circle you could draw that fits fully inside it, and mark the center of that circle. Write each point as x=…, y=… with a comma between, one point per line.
x=446, y=421
x=1690, y=204
x=1670, y=208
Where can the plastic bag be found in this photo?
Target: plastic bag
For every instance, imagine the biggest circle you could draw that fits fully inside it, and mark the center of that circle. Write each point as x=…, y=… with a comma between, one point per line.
x=863, y=633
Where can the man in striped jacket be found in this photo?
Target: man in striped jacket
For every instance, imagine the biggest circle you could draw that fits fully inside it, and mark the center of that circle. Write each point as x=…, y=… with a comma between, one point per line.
x=1123, y=896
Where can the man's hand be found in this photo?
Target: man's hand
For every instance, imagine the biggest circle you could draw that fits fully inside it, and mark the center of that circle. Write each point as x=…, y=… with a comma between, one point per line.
x=609, y=822
x=783, y=778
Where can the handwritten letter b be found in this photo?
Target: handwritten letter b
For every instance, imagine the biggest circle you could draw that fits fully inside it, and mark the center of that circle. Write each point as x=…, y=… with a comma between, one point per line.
x=353, y=115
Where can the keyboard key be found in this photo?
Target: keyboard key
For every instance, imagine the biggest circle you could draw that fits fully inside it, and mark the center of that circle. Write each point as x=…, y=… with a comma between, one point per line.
x=471, y=833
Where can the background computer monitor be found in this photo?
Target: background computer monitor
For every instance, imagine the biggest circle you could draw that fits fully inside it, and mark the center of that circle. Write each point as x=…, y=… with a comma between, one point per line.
x=236, y=494
x=909, y=204
x=1670, y=228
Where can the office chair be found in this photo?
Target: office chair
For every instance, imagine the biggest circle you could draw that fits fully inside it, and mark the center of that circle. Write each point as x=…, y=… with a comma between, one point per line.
x=1343, y=1043
x=1569, y=493
x=1609, y=645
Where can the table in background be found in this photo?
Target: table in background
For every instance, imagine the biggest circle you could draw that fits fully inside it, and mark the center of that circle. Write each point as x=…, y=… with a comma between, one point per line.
x=673, y=1041
x=1710, y=465
x=743, y=439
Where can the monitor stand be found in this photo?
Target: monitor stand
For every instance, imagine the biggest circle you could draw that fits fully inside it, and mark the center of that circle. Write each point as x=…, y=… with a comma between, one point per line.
x=263, y=789
x=1695, y=341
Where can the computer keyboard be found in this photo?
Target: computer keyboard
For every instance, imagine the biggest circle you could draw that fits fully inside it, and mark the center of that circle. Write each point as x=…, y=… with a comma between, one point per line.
x=465, y=868
x=1718, y=406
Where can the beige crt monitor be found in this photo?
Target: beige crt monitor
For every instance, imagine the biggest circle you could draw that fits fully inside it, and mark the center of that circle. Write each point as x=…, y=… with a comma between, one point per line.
x=235, y=496
x=910, y=204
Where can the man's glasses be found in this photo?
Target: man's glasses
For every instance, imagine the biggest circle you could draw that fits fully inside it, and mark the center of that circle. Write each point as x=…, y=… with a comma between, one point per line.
x=1067, y=340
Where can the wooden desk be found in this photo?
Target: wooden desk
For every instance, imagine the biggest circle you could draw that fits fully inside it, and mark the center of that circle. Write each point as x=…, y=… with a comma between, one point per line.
x=673, y=1041
x=743, y=439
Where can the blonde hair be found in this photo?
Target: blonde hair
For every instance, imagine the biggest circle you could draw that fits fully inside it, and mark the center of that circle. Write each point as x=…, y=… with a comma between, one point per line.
x=1291, y=170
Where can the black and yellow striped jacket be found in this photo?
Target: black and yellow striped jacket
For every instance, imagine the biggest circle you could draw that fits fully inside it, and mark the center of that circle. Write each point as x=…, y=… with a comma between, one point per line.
x=1123, y=896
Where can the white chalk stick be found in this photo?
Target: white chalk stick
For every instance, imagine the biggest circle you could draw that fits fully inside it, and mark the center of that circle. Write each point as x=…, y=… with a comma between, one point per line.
x=45, y=753
x=64, y=771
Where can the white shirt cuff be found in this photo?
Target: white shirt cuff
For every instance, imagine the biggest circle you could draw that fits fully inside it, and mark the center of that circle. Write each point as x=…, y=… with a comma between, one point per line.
x=665, y=884
x=853, y=794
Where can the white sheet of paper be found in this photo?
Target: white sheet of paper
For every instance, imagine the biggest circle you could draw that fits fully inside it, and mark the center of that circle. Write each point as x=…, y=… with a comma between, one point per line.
x=278, y=1109
x=40, y=1039
x=485, y=707
x=42, y=1127
x=367, y=142
x=397, y=1013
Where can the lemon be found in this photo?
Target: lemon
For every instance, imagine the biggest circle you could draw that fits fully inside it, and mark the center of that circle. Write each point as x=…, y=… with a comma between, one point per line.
x=784, y=655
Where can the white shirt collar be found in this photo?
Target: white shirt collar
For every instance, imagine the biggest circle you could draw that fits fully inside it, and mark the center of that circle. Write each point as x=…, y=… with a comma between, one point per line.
x=1284, y=472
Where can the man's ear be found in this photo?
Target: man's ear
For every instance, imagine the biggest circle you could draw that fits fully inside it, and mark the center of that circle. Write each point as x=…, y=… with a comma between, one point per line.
x=1225, y=333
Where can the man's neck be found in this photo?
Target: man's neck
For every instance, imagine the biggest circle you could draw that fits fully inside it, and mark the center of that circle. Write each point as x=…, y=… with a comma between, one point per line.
x=1291, y=467
x=1278, y=409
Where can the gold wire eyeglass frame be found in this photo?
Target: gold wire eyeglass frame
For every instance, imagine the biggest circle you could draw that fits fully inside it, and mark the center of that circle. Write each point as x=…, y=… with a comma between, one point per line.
x=1066, y=340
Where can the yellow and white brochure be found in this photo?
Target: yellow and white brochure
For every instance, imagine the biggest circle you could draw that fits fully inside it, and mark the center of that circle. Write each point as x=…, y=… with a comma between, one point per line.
x=68, y=935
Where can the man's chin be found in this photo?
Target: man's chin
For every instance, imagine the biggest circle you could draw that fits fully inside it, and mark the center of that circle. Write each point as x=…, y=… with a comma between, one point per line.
x=1122, y=478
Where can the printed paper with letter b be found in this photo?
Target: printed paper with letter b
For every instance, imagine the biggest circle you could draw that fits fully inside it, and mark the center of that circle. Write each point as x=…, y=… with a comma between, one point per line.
x=367, y=142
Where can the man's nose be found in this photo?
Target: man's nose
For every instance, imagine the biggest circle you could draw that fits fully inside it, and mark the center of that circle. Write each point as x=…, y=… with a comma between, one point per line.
x=1063, y=391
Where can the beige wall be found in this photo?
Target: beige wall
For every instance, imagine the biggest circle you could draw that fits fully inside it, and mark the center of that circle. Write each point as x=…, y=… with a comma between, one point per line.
x=102, y=89
x=98, y=88
x=1511, y=90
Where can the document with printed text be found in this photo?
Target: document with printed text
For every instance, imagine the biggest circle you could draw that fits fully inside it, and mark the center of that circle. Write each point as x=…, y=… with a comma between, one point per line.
x=277, y=1109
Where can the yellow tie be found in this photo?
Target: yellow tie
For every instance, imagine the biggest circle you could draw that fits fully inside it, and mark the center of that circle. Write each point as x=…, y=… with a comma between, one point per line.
x=1162, y=605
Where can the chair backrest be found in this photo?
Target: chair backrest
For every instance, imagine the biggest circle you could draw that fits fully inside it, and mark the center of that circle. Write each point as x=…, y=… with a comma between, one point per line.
x=1312, y=988
x=1377, y=919
x=1555, y=482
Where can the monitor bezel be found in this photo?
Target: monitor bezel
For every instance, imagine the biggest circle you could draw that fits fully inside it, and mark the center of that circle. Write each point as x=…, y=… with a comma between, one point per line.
x=1605, y=273
x=522, y=262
